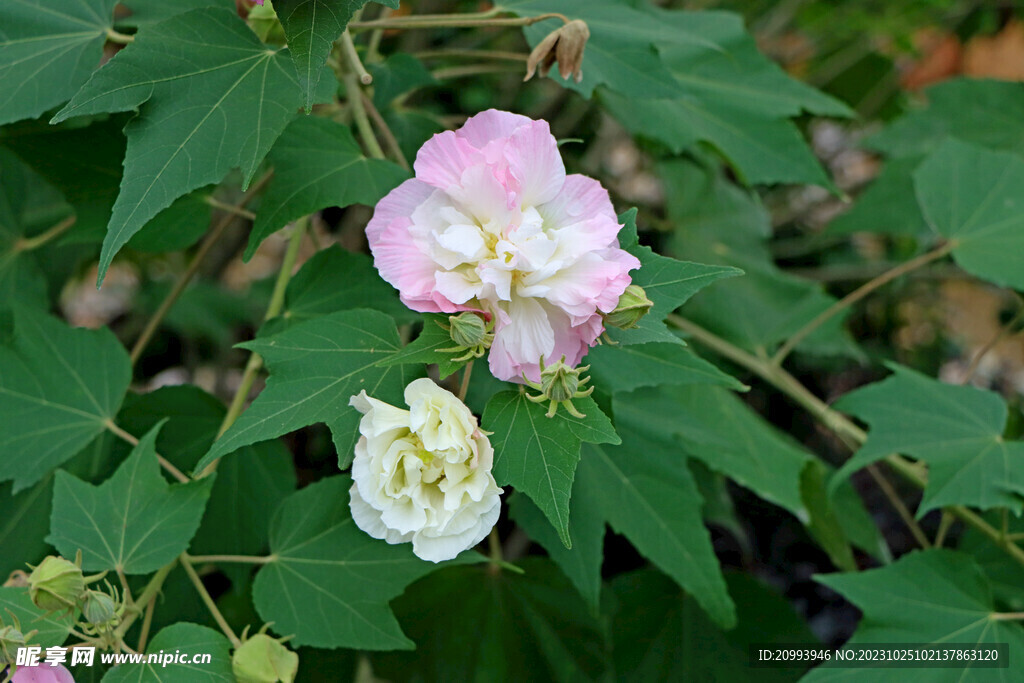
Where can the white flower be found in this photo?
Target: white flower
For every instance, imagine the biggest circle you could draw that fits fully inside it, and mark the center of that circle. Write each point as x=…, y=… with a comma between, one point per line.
x=423, y=474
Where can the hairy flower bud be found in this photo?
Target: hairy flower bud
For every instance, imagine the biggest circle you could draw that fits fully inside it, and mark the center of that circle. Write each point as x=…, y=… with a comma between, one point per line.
x=633, y=305
x=262, y=659
x=99, y=609
x=563, y=45
x=560, y=383
x=56, y=584
x=468, y=329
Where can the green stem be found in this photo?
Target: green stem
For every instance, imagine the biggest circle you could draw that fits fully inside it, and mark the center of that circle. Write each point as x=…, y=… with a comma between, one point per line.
x=119, y=38
x=183, y=280
x=858, y=294
x=241, y=559
x=494, y=543
x=275, y=307
x=30, y=243
x=148, y=593
x=472, y=70
x=852, y=435
x=353, y=92
x=348, y=48
x=473, y=54
x=453, y=21
x=466, y=374
x=385, y=131
x=130, y=438
x=208, y=601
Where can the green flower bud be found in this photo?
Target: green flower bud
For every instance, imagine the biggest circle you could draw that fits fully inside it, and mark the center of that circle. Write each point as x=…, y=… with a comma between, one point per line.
x=559, y=382
x=56, y=584
x=261, y=659
x=559, y=385
x=633, y=305
x=468, y=330
x=11, y=638
x=99, y=609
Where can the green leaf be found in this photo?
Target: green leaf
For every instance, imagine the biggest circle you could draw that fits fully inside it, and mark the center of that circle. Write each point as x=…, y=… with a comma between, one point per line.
x=538, y=454
x=338, y=280
x=980, y=112
x=824, y=525
x=888, y=206
x=318, y=164
x=146, y=12
x=188, y=640
x=311, y=27
x=765, y=306
x=648, y=495
x=957, y=430
x=669, y=284
x=20, y=276
x=426, y=349
x=972, y=197
x=660, y=634
x=582, y=562
x=930, y=596
x=47, y=50
x=216, y=106
x=315, y=367
x=395, y=76
x=53, y=628
x=58, y=388
x=133, y=522
x=24, y=523
x=620, y=53
x=250, y=483
x=330, y=583
x=516, y=627
x=624, y=368
x=712, y=425
x=699, y=77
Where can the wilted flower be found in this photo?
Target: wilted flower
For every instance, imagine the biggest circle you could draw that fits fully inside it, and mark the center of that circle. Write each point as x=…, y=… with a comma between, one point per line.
x=423, y=474
x=491, y=223
x=563, y=45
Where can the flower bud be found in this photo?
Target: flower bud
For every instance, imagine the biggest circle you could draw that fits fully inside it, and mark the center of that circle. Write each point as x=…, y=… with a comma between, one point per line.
x=633, y=305
x=56, y=584
x=261, y=659
x=99, y=609
x=468, y=330
x=560, y=384
x=11, y=638
x=563, y=45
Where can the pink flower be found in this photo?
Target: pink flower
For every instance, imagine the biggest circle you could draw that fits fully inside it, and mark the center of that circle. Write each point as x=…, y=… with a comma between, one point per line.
x=492, y=223
x=42, y=673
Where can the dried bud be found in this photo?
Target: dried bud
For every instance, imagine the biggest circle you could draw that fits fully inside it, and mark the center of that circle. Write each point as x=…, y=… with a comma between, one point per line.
x=633, y=305
x=563, y=45
x=56, y=584
x=99, y=609
x=560, y=384
x=261, y=659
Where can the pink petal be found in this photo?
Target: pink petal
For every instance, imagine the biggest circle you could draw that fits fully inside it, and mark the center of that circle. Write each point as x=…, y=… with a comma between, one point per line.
x=535, y=164
x=491, y=125
x=397, y=205
x=443, y=158
x=582, y=198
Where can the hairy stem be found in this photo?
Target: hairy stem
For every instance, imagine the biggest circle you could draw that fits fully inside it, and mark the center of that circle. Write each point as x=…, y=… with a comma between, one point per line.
x=348, y=48
x=208, y=601
x=899, y=506
x=467, y=372
x=848, y=432
x=353, y=91
x=385, y=132
x=148, y=593
x=858, y=294
x=1003, y=332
